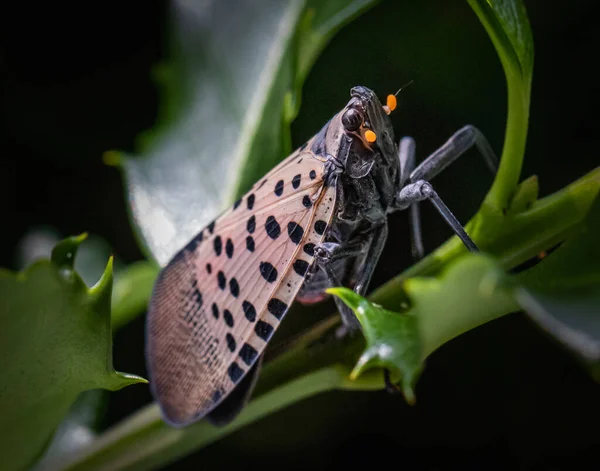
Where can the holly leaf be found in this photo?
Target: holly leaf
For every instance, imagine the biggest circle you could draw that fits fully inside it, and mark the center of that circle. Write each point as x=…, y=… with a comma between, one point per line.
x=55, y=342
x=230, y=91
x=471, y=291
x=393, y=341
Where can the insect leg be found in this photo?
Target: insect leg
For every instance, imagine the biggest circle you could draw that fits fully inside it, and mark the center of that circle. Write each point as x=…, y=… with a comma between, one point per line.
x=461, y=141
x=325, y=254
x=370, y=248
x=421, y=190
x=376, y=243
x=406, y=155
x=332, y=251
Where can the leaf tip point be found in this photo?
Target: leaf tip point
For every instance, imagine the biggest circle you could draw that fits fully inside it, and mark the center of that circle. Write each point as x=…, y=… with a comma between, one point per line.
x=112, y=158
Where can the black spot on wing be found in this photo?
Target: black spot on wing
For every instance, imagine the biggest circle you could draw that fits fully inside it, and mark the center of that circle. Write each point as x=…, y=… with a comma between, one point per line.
x=218, y=245
x=234, y=287
x=250, y=201
x=300, y=267
x=295, y=232
x=217, y=395
x=296, y=181
x=309, y=249
x=249, y=311
x=237, y=204
x=320, y=226
x=277, y=307
x=211, y=227
x=306, y=202
x=235, y=372
x=228, y=317
x=215, y=310
x=230, y=342
x=193, y=244
x=312, y=174
x=248, y=353
x=279, y=188
x=272, y=227
x=251, y=224
x=229, y=248
x=208, y=268
x=263, y=330
x=250, y=243
x=268, y=271
x=221, y=279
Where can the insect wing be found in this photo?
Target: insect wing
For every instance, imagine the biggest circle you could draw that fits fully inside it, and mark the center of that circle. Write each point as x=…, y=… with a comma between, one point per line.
x=217, y=303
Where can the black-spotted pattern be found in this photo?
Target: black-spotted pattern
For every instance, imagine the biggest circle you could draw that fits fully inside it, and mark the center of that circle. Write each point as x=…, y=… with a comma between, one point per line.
x=220, y=299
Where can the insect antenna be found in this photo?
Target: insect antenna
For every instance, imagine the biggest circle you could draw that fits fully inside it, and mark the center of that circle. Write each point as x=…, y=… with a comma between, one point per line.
x=403, y=87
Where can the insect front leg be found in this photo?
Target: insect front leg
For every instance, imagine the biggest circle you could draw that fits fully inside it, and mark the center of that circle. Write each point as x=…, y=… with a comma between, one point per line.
x=365, y=267
x=325, y=254
x=367, y=248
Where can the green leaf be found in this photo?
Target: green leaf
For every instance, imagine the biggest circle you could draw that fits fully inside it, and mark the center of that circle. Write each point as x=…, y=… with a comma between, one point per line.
x=393, y=341
x=231, y=90
x=471, y=291
x=562, y=292
x=55, y=342
x=78, y=428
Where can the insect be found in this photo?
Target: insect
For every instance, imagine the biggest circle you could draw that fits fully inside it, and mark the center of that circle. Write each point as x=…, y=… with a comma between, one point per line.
x=318, y=219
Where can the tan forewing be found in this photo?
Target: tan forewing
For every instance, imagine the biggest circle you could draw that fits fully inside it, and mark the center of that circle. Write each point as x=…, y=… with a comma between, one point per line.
x=219, y=300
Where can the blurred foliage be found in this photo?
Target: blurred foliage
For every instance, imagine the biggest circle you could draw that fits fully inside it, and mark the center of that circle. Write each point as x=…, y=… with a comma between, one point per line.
x=228, y=100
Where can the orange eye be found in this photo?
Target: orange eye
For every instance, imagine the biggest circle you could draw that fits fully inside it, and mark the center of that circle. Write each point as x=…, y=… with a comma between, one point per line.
x=391, y=102
x=370, y=136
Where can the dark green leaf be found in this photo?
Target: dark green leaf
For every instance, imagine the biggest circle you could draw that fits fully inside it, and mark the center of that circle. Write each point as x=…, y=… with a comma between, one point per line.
x=471, y=292
x=55, y=342
x=562, y=292
x=232, y=89
x=393, y=341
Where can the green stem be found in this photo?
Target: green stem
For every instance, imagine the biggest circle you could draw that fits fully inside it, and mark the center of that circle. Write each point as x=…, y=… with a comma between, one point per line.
x=518, y=83
x=144, y=441
x=315, y=365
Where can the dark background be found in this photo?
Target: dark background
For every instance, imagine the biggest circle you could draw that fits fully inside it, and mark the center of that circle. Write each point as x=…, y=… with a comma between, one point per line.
x=76, y=82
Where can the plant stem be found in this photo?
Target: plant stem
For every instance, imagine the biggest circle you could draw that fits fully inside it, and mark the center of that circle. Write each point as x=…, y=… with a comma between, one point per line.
x=518, y=81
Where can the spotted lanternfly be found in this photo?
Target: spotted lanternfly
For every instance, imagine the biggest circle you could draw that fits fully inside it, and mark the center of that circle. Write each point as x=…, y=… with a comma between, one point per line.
x=318, y=219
